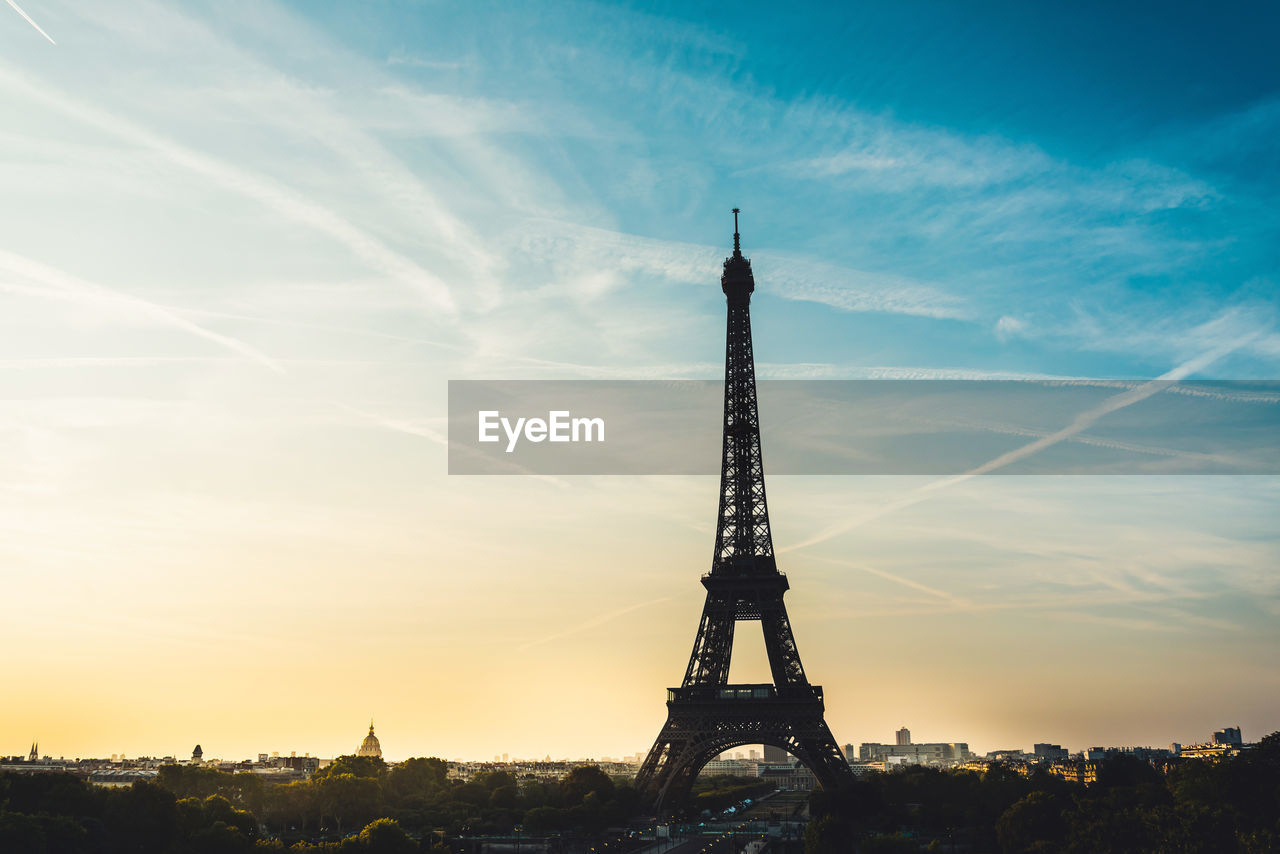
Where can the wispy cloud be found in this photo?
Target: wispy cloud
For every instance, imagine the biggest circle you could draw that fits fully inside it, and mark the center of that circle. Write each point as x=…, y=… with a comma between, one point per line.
x=402, y=57
x=889, y=156
x=854, y=290
x=58, y=284
x=236, y=179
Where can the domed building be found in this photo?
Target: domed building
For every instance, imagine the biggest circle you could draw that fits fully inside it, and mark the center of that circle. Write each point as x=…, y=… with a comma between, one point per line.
x=370, y=745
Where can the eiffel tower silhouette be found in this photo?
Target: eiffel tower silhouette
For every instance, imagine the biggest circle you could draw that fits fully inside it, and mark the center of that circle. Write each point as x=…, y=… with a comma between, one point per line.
x=706, y=715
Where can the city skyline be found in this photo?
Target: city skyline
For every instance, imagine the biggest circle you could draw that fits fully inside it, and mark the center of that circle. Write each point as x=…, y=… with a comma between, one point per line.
x=244, y=248
x=746, y=752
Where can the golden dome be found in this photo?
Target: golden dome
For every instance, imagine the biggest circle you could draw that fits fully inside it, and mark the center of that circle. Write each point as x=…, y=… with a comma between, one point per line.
x=370, y=745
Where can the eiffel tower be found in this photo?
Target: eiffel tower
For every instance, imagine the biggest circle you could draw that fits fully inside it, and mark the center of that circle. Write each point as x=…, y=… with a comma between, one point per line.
x=706, y=715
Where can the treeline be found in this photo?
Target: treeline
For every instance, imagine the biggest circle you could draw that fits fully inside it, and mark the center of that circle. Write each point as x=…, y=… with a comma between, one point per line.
x=61, y=814
x=1230, y=806
x=191, y=810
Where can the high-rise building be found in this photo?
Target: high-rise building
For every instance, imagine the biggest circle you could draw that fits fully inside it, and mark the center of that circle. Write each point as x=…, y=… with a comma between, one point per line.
x=774, y=755
x=904, y=736
x=1049, y=752
x=1228, y=735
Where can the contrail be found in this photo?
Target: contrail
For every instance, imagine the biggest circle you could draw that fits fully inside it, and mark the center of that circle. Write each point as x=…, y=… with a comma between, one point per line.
x=262, y=189
x=1081, y=422
x=345, y=330
x=402, y=426
x=18, y=9
x=899, y=579
x=63, y=285
x=592, y=623
x=397, y=424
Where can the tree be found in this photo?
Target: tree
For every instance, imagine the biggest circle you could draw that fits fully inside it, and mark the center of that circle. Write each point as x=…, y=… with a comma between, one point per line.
x=220, y=838
x=1128, y=772
x=20, y=832
x=289, y=806
x=1098, y=828
x=504, y=797
x=357, y=766
x=495, y=779
x=471, y=792
x=1037, y=818
x=141, y=818
x=384, y=836
x=829, y=834
x=417, y=777
x=348, y=799
x=242, y=788
x=218, y=808
x=584, y=780
x=56, y=794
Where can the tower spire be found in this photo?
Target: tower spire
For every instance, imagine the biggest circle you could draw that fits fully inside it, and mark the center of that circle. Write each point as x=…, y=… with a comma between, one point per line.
x=737, y=245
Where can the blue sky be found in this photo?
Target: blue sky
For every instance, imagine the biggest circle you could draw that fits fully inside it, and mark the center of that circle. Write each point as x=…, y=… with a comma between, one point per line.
x=244, y=245
x=1099, y=179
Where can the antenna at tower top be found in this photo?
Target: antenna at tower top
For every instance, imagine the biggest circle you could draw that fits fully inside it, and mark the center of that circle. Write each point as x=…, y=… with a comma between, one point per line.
x=736, y=246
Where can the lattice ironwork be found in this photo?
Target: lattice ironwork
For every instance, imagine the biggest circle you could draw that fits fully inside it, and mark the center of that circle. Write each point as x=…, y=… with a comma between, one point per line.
x=707, y=715
x=700, y=728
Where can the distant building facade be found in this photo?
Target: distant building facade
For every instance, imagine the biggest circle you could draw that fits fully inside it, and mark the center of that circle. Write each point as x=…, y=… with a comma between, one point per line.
x=1049, y=752
x=934, y=753
x=775, y=755
x=1228, y=735
x=1084, y=772
x=796, y=777
x=903, y=752
x=1224, y=742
